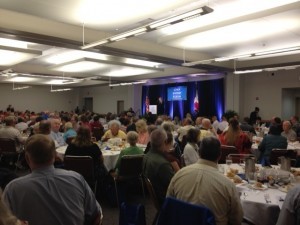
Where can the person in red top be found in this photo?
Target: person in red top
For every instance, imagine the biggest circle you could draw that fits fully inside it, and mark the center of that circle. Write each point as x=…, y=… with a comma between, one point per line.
x=234, y=136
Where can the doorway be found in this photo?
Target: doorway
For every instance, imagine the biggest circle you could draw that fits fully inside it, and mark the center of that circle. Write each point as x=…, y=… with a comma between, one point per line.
x=297, y=107
x=88, y=104
x=120, y=106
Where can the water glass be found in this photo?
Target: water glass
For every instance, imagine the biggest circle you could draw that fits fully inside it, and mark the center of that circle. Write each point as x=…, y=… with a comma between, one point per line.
x=228, y=161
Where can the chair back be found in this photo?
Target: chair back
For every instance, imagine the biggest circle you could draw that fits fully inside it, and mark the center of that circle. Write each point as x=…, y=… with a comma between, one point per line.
x=152, y=193
x=97, y=133
x=7, y=146
x=83, y=165
x=131, y=214
x=276, y=153
x=131, y=165
x=177, y=212
x=69, y=140
x=225, y=151
x=183, y=143
x=240, y=158
x=182, y=161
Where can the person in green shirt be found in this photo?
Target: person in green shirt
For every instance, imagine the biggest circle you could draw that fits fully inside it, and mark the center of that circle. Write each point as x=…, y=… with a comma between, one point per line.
x=132, y=138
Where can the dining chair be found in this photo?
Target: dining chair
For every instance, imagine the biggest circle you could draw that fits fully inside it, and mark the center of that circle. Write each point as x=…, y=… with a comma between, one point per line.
x=132, y=214
x=69, y=140
x=97, y=133
x=225, y=151
x=182, y=162
x=276, y=152
x=238, y=158
x=83, y=165
x=153, y=197
x=131, y=167
x=178, y=212
x=8, y=149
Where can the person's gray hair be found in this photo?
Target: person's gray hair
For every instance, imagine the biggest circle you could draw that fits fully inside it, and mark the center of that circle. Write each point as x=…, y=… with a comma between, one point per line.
x=206, y=123
x=114, y=123
x=132, y=137
x=168, y=126
x=10, y=120
x=157, y=139
x=68, y=125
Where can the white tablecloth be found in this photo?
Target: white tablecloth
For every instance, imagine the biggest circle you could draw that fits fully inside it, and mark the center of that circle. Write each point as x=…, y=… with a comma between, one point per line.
x=254, y=205
x=109, y=157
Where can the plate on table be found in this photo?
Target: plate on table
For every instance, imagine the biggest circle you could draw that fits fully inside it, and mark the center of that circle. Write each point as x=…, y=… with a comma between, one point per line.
x=262, y=188
x=241, y=183
x=285, y=188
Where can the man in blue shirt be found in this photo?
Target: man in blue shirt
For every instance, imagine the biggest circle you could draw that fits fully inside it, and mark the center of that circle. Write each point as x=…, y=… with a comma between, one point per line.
x=50, y=196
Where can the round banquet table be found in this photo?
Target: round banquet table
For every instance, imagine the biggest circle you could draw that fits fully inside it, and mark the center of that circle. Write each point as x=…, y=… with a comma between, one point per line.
x=255, y=207
x=110, y=155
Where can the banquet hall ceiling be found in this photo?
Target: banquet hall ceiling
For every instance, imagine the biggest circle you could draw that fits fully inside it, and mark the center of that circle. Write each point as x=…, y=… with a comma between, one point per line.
x=56, y=29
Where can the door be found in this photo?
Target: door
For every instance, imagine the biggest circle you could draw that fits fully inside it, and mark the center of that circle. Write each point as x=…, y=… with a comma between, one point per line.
x=297, y=108
x=88, y=104
x=120, y=106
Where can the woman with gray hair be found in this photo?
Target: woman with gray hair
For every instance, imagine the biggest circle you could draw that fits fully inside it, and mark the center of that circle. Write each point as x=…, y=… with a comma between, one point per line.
x=132, y=138
x=114, y=131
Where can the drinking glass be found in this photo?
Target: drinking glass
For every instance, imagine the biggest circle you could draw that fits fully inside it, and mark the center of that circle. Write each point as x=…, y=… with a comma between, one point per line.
x=252, y=177
x=228, y=161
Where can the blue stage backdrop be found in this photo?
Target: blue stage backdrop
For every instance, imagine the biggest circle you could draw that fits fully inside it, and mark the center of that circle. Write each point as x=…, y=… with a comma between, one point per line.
x=209, y=101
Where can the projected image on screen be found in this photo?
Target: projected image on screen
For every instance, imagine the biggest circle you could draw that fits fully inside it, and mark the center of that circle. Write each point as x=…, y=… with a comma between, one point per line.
x=177, y=93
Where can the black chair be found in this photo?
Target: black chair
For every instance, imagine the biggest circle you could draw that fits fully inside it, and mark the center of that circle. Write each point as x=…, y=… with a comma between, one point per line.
x=275, y=153
x=131, y=214
x=183, y=143
x=83, y=165
x=225, y=151
x=153, y=197
x=177, y=212
x=97, y=133
x=131, y=167
x=238, y=158
x=8, y=149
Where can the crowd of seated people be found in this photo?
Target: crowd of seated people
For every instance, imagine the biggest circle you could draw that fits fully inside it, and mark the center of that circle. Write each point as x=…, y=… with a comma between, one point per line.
x=168, y=141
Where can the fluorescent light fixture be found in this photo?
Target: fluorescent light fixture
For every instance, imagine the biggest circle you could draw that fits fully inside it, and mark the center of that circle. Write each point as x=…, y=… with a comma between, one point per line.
x=128, y=34
x=10, y=56
x=21, y=79
x=206, y=61
x=128, y=71
x=221, y=59
x=139, y=82
x=21, y=88
x=71, y=55
x=60, y=89
x=114, y=85
x=101, y=42
x=13, y=43
x=277, y=51
x=104, y=67
x=282, y=68
x=124, y=84
x=80, y=65
x=185, y=16
x=127, y=83
x=141, y=62
x=247, y=71
x=152, y=26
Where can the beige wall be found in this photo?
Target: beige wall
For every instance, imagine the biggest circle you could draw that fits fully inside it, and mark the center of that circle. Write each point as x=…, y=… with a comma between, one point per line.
x=274, y=94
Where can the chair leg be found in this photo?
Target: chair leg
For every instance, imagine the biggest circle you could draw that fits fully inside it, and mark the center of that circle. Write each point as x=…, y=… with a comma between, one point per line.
x=143, y=188
x=117, y=194
x=16, y=164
